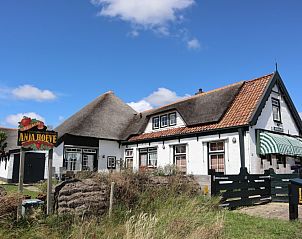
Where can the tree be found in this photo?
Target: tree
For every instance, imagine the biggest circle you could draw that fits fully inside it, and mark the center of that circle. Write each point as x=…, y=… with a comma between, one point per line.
x=3, y=144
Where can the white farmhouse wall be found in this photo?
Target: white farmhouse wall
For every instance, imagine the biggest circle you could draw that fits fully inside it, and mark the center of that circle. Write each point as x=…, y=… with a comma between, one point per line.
x=109, y=148
x=4, y=167
x=179, y=123
x=197, y=153
x=265, y=121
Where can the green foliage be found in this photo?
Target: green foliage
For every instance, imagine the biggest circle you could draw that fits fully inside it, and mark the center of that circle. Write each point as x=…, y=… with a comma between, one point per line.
x=42, y=185
x=146, y=212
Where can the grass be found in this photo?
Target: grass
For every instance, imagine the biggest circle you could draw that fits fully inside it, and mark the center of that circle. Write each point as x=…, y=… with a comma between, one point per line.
x=173, y=218
x=239, y=225
x=11, y=188
x=152, y=213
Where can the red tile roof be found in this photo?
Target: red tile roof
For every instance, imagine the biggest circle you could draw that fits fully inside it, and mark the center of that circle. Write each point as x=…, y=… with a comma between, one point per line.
x=239, y=113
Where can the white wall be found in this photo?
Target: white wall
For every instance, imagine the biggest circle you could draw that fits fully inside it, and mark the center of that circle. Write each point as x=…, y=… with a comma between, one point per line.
x=179, y=123
x=109, y=148
x=4, y=166
x=197, y=153
x=265, y=121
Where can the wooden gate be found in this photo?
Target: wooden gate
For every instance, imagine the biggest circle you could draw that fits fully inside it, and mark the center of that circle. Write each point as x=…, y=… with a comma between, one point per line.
x=247, y=189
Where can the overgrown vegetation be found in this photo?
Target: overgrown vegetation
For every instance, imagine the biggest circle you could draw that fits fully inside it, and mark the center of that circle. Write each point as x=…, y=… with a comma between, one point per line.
x=146, y=212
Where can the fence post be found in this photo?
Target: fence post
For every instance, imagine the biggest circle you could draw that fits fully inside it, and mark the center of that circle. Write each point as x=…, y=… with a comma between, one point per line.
x=270, y=172
x=111, y=199
x=213, y=188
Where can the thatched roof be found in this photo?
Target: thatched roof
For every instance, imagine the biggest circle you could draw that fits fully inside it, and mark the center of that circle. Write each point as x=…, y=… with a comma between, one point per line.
x=12, y=137
x=106, y=117
x=203, y=108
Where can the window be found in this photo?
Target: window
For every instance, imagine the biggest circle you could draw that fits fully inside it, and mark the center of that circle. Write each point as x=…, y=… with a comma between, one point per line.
x=129, y=158
x=172, y=119
x=111, y=162
x=216, y=156
x=276, y=110
x=72, y=161
x=180, y=157
x=148, y=157
x=73, y=158
x=155, y=122
x=85, y=162
x=281, y=159
x=163, y=121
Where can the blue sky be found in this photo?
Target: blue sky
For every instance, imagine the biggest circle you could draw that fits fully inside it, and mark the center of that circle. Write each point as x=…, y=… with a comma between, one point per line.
x=56, y=56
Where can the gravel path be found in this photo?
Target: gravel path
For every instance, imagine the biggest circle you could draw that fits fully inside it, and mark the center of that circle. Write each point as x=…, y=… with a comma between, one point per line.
x=270, y=210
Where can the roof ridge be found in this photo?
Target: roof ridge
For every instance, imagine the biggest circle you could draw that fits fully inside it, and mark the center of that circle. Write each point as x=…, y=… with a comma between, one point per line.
x=259, y=78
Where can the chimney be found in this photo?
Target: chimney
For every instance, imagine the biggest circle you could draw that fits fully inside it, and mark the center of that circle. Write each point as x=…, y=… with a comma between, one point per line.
x=200, y=91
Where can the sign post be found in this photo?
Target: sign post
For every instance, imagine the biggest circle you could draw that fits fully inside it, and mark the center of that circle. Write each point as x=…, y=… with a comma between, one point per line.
x=33, y=134
x=49, y=183
x=21, y=178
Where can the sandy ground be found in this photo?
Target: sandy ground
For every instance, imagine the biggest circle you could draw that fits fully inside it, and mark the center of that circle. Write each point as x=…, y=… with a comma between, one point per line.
x=270, y=210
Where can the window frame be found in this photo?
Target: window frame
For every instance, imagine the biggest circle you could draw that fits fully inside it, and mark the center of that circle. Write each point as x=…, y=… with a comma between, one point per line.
x=175, y=155
x=128, y=157
x=114, y=164
x=276, y=104
x=148, y=151
x=169, y=119
x=162, y=116
x=216, y=152
x=153, y=122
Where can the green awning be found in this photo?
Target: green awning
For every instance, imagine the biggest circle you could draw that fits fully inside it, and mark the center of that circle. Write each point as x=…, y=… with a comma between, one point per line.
x=271, y=143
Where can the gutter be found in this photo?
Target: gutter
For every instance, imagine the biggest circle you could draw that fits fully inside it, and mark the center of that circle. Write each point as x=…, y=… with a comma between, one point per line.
x=232, y=129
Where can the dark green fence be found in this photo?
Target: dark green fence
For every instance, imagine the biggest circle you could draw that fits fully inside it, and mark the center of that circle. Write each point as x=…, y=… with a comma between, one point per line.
x=247, y=189
x=279, y=185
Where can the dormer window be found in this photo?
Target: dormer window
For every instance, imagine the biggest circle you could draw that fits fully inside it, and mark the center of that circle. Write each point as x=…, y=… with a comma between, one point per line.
x=172, y=119
x=276, y=110
x=155, y=122
x=163, y=121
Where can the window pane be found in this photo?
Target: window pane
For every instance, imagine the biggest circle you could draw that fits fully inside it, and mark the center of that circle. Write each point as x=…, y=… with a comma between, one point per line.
x=172, y=119
x=217, y=146
x=217, y=162
x=164, y=120
x=129, y=152
x=155, y=122
x=129, y=163
x=213, y=146
x=143, y=160
x=180, y=149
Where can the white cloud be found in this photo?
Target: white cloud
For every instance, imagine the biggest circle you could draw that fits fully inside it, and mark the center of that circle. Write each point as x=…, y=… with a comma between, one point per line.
x=12, y=120
x=193, y=44
x=146, y=13
x=141, y=105
x=29, y=92
x=134, y=33
x=158, y=98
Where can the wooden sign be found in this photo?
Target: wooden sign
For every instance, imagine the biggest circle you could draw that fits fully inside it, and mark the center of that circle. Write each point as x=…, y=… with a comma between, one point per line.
x=32, y=134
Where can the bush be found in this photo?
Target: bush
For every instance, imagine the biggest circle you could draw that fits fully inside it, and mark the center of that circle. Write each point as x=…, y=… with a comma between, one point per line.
x=8, y=206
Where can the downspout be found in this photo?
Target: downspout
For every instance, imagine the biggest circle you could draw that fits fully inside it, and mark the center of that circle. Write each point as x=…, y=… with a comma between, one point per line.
x=242, y=148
